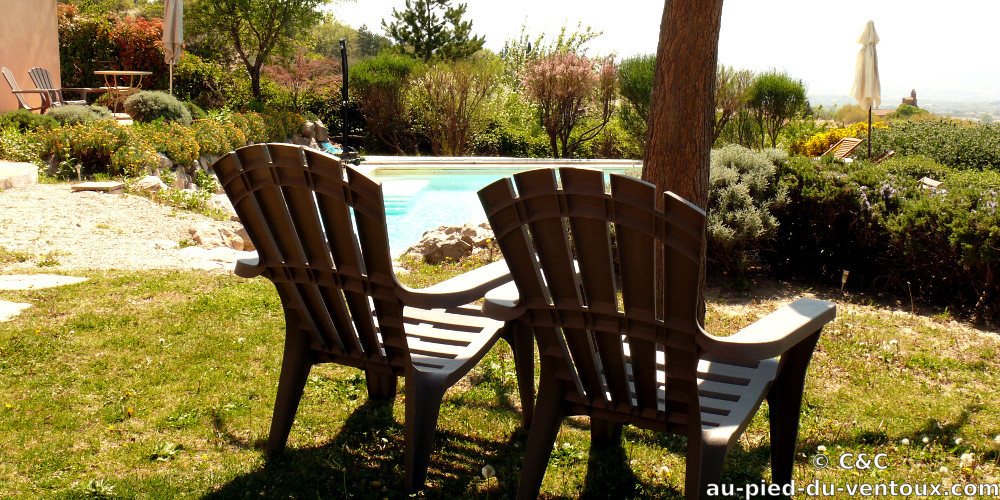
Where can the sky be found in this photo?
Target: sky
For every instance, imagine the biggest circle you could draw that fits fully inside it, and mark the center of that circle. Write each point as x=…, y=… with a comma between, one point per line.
x=945, y=50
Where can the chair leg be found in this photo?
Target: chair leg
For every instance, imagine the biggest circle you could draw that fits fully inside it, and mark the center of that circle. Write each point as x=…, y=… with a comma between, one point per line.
x=295, y=365
x=543, y=434
x=605, y=432
x=522, y=343
x=705, y=457
x=381, y=385
x=785, y=404
x=423, y=404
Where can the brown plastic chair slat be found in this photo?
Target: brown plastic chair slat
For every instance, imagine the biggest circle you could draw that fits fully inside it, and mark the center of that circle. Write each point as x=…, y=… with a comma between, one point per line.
x=634, y=205
x=555, y=259
x=586, y=201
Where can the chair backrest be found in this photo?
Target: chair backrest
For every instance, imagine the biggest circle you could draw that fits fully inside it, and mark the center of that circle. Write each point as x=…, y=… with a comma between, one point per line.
x=843, y=147
x=573, y=250
x=13, y=86
x=320, y=234
x=43, y=80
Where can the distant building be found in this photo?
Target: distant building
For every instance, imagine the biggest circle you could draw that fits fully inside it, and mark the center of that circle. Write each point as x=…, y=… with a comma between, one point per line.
x=912, y=100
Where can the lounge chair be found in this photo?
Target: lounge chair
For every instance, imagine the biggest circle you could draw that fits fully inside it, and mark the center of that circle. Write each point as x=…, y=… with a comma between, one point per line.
x=43, y=94
x=843, y=148
x=322, y=241
x=619, y=349
x=884, y=156
x=43, y=80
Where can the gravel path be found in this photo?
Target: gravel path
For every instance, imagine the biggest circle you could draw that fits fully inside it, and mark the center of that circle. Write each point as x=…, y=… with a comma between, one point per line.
x=91, y=230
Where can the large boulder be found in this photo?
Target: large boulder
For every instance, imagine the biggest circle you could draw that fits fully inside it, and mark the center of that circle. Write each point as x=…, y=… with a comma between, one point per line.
x=320, y=132
x=450, y=243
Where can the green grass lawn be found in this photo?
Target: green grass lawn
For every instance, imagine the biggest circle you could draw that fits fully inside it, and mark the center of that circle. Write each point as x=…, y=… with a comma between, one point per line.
x=160, y=385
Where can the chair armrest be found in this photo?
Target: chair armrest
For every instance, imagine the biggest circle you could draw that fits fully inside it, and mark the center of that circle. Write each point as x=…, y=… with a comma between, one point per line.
x=457, y=291
x=503, y=303
x=774, y=334
x=33, y=91
x=248, y=268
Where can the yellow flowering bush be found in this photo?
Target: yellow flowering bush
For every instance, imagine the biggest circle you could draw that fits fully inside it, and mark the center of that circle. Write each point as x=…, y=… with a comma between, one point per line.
x=821, y=142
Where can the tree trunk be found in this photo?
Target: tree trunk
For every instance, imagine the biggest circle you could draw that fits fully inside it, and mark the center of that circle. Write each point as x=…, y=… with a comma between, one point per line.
x=682, y=110
x=255, y=81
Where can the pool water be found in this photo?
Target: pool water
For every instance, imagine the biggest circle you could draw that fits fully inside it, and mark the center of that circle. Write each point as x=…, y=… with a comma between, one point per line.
x=419, y=202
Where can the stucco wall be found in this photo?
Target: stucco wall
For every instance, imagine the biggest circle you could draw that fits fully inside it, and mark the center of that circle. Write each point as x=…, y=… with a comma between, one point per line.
x=29, y=36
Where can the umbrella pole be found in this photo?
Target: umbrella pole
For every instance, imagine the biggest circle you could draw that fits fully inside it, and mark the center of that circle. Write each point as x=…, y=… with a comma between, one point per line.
x=172, y=82
x=869, y=132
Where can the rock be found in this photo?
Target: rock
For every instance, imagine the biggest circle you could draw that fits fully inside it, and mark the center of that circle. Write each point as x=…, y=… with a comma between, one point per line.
x=450, y=243
x=247, y=244
x=150, y=183
x=321, y=133
x=181, y=180
x=221, y=202
x=309, y=129
x=165, y=244
x=163, y=164
x=210, y=236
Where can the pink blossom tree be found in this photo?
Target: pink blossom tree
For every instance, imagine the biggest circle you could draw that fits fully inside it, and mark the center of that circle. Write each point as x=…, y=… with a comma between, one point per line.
x=567, y=88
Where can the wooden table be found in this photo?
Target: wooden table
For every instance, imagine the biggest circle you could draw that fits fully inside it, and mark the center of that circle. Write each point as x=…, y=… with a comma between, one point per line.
x=131, y=83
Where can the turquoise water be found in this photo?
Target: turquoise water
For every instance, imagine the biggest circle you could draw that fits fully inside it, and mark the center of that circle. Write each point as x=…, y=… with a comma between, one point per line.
x=418, y=203
x=421, y=202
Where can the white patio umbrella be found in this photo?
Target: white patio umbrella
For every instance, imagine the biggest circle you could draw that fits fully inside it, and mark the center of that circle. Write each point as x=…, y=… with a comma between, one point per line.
x=866, y=89
x=173, y=34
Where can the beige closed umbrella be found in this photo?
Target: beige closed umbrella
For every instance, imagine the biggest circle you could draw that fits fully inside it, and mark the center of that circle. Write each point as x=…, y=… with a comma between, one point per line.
x=866, y=89
x=173, y=34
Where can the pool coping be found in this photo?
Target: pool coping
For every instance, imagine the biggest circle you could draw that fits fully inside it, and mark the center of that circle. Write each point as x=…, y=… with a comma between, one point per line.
x=446, y=163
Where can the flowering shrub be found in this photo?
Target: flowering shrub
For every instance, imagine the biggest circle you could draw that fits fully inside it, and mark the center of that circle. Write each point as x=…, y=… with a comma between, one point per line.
x=877, y=222
x=88, y=145
x=567, y=87
x=821, y=142
x=212, y=137
x=255, y=128
x=175, y=141
x=281, y=125
x=307, y=79
x=134, y=158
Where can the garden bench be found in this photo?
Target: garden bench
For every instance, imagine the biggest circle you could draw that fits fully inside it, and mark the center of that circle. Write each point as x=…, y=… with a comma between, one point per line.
x=618, y=348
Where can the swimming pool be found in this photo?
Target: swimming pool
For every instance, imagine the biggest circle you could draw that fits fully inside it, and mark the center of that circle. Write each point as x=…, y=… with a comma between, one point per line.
x=421, y=197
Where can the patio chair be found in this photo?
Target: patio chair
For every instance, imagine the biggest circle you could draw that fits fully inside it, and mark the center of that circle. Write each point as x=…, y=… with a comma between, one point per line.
x=43, y=94
x=843, y=148
x=43, y=80
x=619, y=349
x=320, y=232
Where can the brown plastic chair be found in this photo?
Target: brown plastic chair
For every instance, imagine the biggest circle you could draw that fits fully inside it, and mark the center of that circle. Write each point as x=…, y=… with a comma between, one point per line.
x=19, y=94
x=843, y=148
x=43, y=80
x=615, y=347
x=320, y=232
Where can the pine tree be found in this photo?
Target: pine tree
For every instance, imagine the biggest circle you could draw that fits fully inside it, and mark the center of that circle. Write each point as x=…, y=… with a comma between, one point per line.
x=421, y=31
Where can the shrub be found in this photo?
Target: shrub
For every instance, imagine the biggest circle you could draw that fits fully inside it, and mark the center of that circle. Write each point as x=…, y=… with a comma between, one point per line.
x=280, y=125
x=450, y=103
x=147, y=105
x=212, y=137
x=175, y=141
x=743, y=193
x=501, y=139
x=88, y=145
x=26, y=121
x=134, y=158
x=379, y=86
x=87, y=42
x=958, y=144
x=202, y=82
x=255, y=128
x=17, y=146
x=79, y=113
x=905, y=111
x=635, y=84
x=775, y=98
x=196, y=112
x=819, y=143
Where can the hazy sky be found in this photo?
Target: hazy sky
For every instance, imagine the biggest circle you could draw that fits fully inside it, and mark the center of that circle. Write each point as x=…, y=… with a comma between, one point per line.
x=946, y=50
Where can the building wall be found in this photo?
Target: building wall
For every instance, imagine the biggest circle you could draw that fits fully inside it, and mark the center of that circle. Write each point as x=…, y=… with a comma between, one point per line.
x=29, y=36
